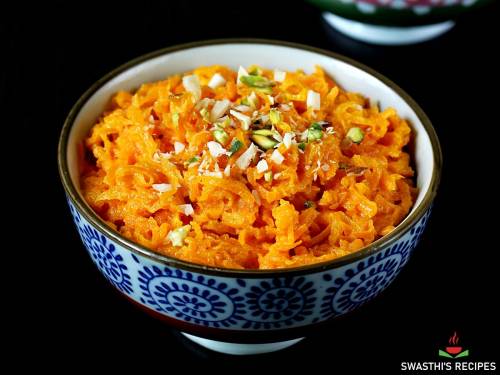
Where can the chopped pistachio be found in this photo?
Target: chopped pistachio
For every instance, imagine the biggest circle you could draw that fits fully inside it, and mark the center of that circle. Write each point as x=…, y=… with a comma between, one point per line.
x=205, y=114
x=315, y=132
x=175, y=119
x=194, y=159
x=251, y=100
x=255, y=71
x=265, y=90
x=316, y=126
x=260, y=83
x=220, y=136
x=263, y=141
x=314, y=135
x=302, y=146
x=226, y=121
x=274, y=116
x=355, y=134
x=268, y=176
x=236, y=144
x=241, y=72
x=308, y=204
x=266, y=132
x=323, y=123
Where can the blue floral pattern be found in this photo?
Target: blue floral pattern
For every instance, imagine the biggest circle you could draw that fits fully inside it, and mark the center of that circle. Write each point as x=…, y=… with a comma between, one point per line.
x=246, y=303
x=103, y=253
x=74, y=213
x=279, y=302
x=360, y=284
x=106, y=257
x=364, y=280
x=417, y=231
x=197, y=299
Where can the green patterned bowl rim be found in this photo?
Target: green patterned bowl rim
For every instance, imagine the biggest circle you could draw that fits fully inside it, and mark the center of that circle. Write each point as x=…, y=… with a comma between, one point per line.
x=385, y=15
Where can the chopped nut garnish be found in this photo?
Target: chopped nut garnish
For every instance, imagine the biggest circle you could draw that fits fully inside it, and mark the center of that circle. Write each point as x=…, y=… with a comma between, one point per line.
x=355, y=134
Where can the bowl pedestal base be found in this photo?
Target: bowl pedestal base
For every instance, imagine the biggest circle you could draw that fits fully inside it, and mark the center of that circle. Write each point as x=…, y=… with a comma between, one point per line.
x=386, y=35
x=241, y=349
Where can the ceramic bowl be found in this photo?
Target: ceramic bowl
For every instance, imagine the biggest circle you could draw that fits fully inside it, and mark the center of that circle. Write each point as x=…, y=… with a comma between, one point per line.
x=247, y=311
x=394, y=22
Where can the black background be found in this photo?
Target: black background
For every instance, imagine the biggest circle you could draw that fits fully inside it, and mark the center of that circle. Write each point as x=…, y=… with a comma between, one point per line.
x=54, y=53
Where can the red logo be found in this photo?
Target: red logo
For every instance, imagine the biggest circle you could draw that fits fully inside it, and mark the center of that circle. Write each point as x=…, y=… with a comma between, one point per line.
x=453, y=350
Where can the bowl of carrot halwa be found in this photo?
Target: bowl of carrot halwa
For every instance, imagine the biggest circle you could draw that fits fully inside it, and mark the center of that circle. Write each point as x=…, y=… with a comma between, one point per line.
x=245, y=191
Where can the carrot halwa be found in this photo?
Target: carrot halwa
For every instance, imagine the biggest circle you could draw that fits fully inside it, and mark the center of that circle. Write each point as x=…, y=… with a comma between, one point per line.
x=255, y=169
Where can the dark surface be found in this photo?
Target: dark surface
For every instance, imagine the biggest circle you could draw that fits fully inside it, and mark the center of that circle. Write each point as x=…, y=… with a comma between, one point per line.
x=449, y=284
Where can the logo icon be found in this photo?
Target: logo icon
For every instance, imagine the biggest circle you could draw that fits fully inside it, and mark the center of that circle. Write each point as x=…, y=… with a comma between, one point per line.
x=453, y=350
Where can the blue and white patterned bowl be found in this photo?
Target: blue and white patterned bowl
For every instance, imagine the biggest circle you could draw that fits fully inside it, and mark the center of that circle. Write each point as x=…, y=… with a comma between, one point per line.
x=236, y=311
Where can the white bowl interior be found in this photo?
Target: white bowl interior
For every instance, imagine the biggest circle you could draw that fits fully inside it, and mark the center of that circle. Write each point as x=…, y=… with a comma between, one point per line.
x=269, y=56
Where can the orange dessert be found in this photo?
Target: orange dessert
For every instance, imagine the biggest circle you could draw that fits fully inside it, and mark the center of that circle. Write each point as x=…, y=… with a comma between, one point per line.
x=255, y=169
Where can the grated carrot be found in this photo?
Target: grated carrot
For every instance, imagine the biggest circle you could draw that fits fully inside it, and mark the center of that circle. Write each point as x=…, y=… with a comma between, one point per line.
x=324, y=197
